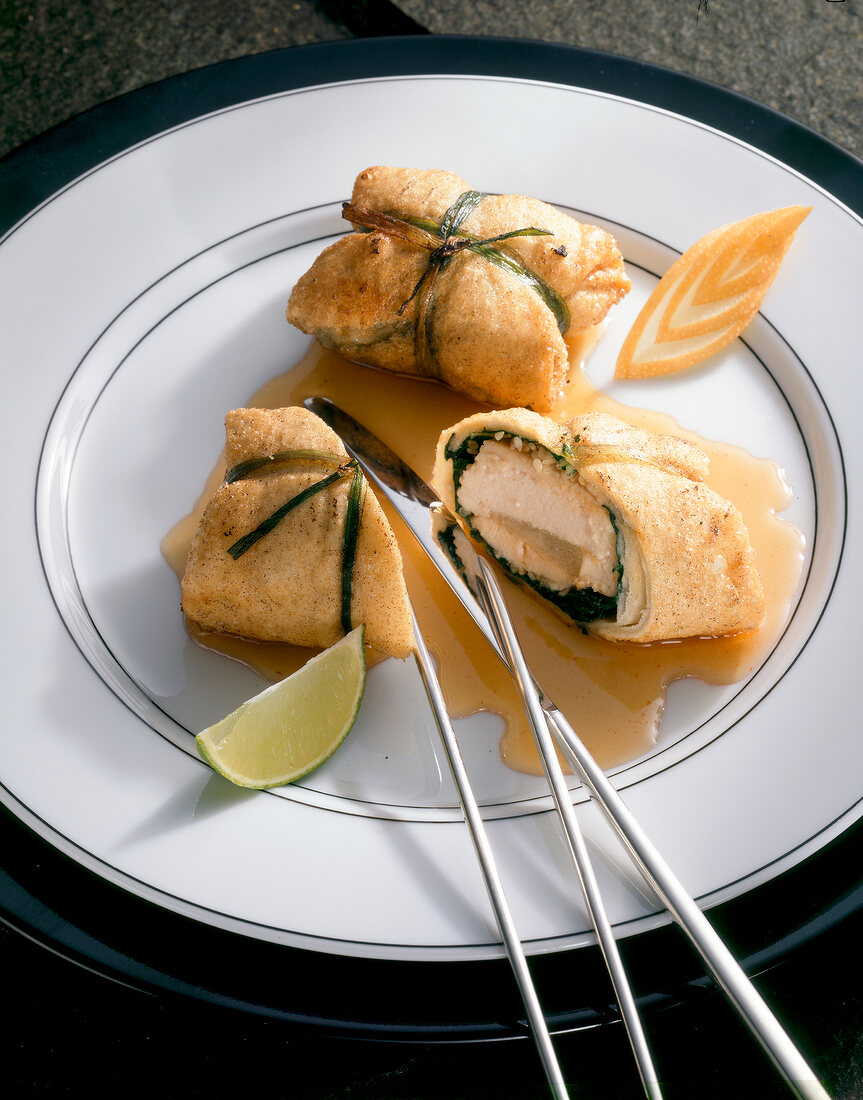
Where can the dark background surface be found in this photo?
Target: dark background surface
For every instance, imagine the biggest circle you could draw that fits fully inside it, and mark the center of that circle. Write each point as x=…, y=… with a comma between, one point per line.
x=801, y=57
x=72, y=1031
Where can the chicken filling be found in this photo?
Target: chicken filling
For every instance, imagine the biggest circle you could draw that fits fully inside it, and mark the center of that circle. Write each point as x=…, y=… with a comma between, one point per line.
x=537, y=520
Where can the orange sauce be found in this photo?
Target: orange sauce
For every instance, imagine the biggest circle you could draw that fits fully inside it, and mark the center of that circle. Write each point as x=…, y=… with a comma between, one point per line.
x=613, y=693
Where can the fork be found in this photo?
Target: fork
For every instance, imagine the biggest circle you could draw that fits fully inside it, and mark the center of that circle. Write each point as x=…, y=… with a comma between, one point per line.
x=485, y=855
x=725, y=969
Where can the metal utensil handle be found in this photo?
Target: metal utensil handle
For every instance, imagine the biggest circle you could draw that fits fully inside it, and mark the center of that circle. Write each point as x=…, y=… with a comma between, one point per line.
x=413, y=499
x=492, y=599
x=476, y=825
x=726, y=970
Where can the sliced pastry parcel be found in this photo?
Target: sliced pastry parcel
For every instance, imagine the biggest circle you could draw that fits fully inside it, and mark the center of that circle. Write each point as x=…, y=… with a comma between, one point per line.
x=292, y=546
x=613, y=525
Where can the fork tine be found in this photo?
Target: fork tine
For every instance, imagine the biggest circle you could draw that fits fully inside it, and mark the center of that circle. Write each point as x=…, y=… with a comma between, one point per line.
x=496, y=609
x=476, y=825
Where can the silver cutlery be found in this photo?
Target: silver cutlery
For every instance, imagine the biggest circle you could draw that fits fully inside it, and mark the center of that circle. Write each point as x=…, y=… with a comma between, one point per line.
x=426, y=517
x=494, y=886
x=493, y=603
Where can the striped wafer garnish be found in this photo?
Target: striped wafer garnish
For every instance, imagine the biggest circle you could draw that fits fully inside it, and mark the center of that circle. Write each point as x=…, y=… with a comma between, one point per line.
x=709, y=295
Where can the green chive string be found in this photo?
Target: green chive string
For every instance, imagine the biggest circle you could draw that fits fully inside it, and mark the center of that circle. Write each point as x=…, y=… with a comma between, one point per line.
x=242, y=545
x=353, y=514
x=251, y=465
x=349, y=544
x=445, y=240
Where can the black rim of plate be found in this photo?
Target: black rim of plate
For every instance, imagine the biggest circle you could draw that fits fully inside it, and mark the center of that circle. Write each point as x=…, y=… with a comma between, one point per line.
x=55, y=901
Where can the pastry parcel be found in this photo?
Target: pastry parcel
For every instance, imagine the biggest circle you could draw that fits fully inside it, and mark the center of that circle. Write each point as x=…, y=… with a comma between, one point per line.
x=472, y=289
x=611, y=524
x=292, y=546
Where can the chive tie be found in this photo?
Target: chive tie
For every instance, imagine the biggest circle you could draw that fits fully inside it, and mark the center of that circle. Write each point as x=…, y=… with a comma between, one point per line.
x=353, y=513
x=247, y=541
x=442, y=242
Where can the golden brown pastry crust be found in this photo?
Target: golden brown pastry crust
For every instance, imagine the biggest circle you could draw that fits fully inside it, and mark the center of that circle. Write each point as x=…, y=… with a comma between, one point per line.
x=492, y=337
x=688, y=565
x=287, y=586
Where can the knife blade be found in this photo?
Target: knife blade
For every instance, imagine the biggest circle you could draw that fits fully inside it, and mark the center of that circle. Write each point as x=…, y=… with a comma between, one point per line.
x=424, y=513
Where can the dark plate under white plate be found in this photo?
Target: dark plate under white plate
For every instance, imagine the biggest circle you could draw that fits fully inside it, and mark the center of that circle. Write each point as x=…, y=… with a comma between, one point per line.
x=150, y=245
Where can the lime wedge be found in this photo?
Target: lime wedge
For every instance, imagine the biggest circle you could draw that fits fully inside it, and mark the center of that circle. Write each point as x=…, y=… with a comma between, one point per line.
x=292, y=727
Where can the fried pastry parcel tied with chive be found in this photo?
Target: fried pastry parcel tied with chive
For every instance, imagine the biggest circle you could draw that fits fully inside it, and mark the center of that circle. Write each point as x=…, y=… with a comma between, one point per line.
x=472, y=289
x=613, y=525
x=292, y=547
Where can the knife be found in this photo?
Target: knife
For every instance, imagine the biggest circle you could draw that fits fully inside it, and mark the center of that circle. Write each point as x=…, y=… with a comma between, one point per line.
x=454, y=554
x=428, y=519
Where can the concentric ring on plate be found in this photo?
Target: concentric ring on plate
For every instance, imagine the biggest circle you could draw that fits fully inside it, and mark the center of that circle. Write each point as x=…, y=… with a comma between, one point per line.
x=154, y=827
x=118, y=383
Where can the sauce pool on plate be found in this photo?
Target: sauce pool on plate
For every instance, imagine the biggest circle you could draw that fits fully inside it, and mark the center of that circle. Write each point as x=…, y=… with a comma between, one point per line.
x=612, y=692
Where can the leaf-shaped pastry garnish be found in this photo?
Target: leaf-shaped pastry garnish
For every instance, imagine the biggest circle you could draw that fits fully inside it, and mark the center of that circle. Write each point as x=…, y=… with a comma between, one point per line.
x=709, y=295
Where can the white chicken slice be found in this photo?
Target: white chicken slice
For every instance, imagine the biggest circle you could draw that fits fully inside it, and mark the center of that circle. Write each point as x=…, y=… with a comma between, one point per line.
x=538, y=519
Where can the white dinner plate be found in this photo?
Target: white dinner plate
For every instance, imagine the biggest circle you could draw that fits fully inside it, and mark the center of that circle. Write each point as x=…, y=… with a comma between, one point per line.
x=145, y=297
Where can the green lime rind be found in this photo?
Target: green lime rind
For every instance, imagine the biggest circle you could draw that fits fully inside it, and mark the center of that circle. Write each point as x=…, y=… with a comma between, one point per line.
x=294, y=726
